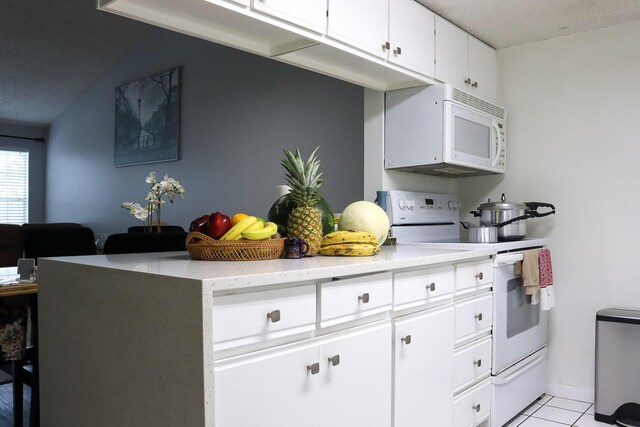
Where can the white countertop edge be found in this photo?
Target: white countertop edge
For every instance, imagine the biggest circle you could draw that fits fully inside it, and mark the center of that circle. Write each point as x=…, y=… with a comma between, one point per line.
x=226, y=276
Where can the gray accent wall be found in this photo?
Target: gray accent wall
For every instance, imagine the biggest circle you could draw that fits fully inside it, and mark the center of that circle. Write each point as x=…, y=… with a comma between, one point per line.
x=37, y=152
x=238, y=111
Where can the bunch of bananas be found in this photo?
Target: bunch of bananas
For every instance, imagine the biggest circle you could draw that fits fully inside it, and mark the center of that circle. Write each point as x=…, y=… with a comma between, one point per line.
x=251, y=228
x=349, y=243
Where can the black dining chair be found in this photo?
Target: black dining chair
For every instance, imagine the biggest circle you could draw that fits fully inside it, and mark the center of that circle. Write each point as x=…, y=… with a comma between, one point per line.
x=11, y=246
x=58, y=241
x=163, y=229
x=13, y=329
x=132, y=243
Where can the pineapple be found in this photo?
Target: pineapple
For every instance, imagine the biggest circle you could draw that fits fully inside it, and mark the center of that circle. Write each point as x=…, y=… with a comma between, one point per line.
x=305, y=221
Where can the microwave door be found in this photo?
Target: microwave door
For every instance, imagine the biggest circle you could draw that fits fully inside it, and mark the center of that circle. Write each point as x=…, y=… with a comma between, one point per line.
x=469, y=137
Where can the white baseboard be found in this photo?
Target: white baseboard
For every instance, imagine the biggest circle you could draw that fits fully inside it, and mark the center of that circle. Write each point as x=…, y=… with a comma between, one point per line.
x=570, y=392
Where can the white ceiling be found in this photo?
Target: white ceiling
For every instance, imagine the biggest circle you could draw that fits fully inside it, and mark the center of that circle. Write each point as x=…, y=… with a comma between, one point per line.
x=52, y=51
x=504, y=23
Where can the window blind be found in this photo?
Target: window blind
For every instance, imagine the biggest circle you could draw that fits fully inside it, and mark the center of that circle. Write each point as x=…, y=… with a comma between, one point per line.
x=14, y=187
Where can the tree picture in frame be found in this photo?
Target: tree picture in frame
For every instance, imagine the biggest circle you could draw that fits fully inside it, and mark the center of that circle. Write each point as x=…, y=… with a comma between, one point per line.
x=147, y=120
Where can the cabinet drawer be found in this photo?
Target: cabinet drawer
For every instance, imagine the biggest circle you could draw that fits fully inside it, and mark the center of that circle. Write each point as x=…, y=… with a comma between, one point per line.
x=473, y=317
x=412, y=288
x=258, y=316
x=474, y=275
x=343, y=300
x=473, y=406
x=472, y=362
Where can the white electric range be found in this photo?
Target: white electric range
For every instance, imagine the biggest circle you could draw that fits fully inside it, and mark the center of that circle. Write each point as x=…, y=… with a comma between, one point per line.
x=519, y=336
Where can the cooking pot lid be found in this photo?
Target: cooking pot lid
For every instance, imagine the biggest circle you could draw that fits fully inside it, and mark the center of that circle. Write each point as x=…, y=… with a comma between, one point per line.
x=502, y=205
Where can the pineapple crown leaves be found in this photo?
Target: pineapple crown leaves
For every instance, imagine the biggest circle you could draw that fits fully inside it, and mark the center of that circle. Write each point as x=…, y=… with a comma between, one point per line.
x=303, y=177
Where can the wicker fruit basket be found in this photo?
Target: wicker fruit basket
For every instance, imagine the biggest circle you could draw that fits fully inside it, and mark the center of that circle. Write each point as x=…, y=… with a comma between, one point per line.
x=204, y=248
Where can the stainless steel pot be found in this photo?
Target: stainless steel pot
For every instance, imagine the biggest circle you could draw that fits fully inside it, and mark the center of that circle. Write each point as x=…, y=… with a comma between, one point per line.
x=510, y=217
x=481, y=233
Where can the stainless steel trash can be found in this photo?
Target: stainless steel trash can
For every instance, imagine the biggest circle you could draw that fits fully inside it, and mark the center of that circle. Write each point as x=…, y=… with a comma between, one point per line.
x=617, y=376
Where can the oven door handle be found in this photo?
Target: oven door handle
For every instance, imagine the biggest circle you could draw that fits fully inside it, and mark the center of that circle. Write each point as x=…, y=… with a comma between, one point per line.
x=507, y=259
x=522, y=370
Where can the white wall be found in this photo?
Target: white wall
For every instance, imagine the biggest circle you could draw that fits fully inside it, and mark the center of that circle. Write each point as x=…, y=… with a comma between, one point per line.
x=573, y=140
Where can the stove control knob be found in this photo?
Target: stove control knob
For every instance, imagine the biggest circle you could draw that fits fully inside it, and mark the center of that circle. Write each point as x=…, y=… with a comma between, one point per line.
x=402, y=204
x=411, y=204
x=454, y=205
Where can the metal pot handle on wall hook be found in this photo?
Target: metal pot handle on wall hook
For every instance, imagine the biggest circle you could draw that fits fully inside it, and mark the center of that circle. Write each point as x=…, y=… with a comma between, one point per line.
x=534, y=206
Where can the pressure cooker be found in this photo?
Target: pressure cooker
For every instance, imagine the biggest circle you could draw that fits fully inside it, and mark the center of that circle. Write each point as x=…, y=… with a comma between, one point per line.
x=510, y=217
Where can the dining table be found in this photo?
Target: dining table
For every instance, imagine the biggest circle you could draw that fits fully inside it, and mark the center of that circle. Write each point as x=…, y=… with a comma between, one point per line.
x=12, y=286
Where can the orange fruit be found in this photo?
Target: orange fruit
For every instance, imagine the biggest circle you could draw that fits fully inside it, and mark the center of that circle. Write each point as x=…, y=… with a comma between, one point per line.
x=237, y=218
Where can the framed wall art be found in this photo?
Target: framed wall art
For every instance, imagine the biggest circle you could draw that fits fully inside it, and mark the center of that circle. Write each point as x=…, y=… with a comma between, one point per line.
x=147, y=119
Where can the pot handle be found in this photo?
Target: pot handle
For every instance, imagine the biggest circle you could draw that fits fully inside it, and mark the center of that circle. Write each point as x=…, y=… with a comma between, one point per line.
x=466, y=225
x=475, y=213
x=518, y=218
x=534, y=206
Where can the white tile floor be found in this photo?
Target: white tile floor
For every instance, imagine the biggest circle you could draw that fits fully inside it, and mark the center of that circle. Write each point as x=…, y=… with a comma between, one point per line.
x=552, y=411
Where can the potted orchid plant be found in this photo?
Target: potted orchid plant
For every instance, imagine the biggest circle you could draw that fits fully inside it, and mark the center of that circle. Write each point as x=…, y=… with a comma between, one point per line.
x=168, y=187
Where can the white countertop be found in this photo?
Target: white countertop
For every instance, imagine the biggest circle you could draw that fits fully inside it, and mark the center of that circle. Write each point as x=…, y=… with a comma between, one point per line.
x=228, y=275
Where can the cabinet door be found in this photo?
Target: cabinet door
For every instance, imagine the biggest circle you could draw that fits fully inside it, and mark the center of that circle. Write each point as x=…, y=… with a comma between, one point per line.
x=310, y=14
x=363, y=24
x=452, y=59
x=482, y=70
x=411, y=32
x=270, y=388
x=356, y=377
x=424, y=368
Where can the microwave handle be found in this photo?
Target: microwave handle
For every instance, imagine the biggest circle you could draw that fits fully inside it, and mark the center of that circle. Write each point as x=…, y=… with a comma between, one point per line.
x=500, y=144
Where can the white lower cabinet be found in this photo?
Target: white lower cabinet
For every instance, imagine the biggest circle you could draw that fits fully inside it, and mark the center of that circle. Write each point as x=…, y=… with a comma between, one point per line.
x=341, y=379
x=424, y=368
x=473, y=406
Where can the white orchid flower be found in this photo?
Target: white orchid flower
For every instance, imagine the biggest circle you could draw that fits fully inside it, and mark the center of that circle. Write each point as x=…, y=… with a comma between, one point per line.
x=151, y=179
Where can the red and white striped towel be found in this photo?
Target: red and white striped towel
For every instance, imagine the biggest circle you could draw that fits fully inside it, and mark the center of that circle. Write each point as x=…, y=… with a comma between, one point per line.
x=547, y=295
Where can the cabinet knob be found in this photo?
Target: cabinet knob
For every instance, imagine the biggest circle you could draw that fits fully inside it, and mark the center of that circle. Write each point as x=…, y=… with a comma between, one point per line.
x=398, y=50
x=364, y=298
x=467, y=80
x=474, y=84
x=386, y=46
x=314, y=368
x=431, y=286
x=476, y=407
x=479, y=316
x=480, y=276
x=478, y=362
x=274, y=316
x=334, y=360
x=406, y=340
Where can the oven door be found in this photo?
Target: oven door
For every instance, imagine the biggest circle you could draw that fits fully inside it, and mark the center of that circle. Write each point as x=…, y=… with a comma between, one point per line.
x=519, y=328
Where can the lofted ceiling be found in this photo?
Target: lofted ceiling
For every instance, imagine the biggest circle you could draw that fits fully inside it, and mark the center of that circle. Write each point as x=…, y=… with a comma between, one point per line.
x=52, y=51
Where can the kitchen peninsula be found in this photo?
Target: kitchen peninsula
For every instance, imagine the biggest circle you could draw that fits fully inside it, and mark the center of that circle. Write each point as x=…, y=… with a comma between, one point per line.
x=158, y=339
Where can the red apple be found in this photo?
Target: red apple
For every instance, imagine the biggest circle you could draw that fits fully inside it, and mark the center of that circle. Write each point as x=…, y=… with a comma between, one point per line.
x=219, y=224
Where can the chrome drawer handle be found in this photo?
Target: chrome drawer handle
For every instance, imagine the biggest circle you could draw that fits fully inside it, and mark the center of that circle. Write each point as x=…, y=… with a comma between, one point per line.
x=398, y=51
x=467, y=80
x=476, y=407
x=334, y=360
x=479, y=317
x=274, y=316
x=478, y=362
x=480, y=276
x=386, y=46
x=406, y=340
x=431, y=286
x=475, y=84
x=314, y=368
x=364, y=298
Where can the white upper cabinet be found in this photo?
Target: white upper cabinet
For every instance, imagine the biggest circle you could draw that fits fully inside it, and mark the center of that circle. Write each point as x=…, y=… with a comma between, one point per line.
x=411, y=27
x=363, y=24
x=482, y=69
x=464, y=61
x=310, y=14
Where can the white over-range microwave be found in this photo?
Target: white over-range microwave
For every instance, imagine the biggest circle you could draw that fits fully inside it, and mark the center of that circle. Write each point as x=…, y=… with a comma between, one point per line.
x=441, y=130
